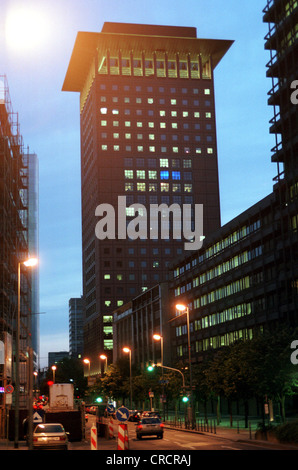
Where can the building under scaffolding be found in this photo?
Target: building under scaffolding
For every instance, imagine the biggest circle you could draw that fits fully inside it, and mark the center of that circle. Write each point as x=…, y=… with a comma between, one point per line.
x=13, y=250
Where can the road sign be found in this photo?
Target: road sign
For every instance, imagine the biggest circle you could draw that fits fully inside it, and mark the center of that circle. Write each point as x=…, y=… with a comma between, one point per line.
x=38, y=417
x=110, y=408
x=9, y=389
x=122, y=414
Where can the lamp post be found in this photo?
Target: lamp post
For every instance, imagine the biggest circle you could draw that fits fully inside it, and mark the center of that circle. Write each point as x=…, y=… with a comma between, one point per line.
x=87, y=361
x=54, y=368
x=28, y=263
x=128, y=350
x=103, y=357
x=185, y=309
x=157, y=337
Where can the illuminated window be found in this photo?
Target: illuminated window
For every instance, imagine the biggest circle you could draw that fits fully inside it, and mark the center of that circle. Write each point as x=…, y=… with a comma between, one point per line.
x=188, y=187
x=164, y=162
x=103, y=123
x=116, y=148
x=128, y=136
x=141, y=174
x=151, y=148
x=164, y=175
x=152, y=174
x=208, y=115
x=152, y=187
x=176, y=188
x=128, y=174
x=163, y=125
x=107, y=276
x=209, y=150
x=151, y=124
x=127, y=123
x=140, y=148
x=164, y=187
x=128, y=186
x=196, y=114
x=108, y=344
x=176, y=175
x=141, y=186
x=104, y=147
x=139, y=124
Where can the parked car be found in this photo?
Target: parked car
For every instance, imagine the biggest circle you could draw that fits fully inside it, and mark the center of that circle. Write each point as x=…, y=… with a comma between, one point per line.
x=149, y=427
x=50, y=436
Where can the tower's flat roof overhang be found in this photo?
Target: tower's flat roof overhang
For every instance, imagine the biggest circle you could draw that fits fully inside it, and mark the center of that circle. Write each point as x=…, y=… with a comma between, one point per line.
x=87, y=44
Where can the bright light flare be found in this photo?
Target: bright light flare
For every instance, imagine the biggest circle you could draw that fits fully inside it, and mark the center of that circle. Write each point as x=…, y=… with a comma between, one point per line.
x=26, y=29
x=31, y=262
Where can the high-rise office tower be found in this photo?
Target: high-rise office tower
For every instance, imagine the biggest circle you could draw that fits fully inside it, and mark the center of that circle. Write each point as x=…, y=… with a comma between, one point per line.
x=76, y=310
x=147, y=134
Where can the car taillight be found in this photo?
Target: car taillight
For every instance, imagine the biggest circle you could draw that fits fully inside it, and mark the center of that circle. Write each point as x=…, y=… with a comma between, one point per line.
x=62, y=438
x=162, y=425
x=140, y=426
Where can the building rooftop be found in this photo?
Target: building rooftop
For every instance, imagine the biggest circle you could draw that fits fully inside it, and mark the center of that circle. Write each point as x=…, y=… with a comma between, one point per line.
x=137, y=37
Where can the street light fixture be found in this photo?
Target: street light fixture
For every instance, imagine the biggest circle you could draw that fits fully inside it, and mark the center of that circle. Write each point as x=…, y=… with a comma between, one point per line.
x=157, y=337
x=103, y=357
x=28, y=263
x=128, y=351
x=184, y=309
x=87, y=361
x=54, y=368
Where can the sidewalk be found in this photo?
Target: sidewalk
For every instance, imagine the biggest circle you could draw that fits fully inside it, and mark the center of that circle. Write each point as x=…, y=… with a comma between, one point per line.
x=237, y=434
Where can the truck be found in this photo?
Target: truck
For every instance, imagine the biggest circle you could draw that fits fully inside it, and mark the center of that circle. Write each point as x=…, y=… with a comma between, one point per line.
x=61, y=397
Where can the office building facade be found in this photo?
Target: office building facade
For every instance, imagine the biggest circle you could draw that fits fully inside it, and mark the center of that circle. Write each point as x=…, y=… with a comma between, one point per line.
x=148, y=134
x=244, y=279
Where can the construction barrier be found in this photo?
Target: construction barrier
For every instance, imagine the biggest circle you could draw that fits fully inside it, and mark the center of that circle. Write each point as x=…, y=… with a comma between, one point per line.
x=122, y=443
x=93, y=438
x=111, y=429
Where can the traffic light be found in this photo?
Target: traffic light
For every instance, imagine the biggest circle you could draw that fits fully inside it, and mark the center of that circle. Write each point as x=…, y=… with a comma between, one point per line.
x=185, y=399
x=150, y=367
x=98, y=400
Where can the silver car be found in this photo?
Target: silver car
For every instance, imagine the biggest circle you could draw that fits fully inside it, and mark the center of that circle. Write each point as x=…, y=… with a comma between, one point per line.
x=50, y=436
x=150, y=427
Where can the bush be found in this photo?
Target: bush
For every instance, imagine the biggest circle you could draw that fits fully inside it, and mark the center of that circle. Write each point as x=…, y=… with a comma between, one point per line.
x=287, y=432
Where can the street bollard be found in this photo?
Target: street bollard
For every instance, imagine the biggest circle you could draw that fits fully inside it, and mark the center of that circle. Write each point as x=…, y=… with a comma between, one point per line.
x=93, y=438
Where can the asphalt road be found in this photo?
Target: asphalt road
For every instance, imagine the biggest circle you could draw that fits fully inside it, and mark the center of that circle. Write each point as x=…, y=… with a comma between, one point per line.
x=172, y=440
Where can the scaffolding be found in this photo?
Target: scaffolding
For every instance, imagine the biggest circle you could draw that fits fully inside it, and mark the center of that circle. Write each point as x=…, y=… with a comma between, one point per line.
x=13, y=249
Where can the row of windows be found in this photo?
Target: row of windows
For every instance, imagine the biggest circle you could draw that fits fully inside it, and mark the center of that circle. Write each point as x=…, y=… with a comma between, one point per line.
x=219, y=246
x=216, y=342
x=150, y=89
x=154, y=187
x=152, y=162
x=223, y=268
x=154, y=174
x=151, y=112
x=153, y=149
x=151, y=124
x=162, y=137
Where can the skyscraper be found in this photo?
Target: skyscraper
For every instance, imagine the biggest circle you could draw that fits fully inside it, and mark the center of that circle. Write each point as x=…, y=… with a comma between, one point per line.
x=148, y=134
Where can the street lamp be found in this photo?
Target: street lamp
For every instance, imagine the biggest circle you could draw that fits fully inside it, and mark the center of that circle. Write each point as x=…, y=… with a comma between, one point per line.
x=54, y=368
x=28, y=263
x=157, y=337
x=128, y=351
x=87, y=361
x=103, y=357
x=184, y=309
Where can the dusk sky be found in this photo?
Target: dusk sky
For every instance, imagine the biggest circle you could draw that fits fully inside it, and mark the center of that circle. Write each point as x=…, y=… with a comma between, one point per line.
x=35, y=65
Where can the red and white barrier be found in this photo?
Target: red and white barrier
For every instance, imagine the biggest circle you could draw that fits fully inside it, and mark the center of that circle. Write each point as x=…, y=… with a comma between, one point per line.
x=93, y=438
x=111, y=429
x=122, y=437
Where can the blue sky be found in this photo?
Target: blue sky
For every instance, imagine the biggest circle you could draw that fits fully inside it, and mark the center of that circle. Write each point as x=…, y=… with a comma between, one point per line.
x=49, y=121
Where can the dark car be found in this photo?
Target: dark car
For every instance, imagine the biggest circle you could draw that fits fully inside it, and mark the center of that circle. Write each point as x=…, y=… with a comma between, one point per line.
x=150, y=427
